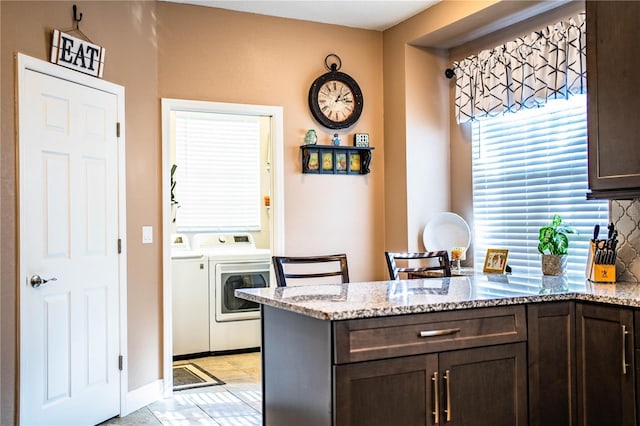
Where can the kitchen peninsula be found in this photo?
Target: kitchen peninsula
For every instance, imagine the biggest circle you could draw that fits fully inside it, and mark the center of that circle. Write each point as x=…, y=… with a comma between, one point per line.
x=486, y=349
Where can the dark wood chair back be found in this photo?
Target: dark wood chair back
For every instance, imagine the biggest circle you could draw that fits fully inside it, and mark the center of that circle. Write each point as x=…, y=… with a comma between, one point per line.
x=394, y=270
x=311, y=269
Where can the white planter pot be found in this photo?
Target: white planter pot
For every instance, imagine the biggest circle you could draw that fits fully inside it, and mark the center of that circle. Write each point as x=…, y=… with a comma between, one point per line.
x=553, y=264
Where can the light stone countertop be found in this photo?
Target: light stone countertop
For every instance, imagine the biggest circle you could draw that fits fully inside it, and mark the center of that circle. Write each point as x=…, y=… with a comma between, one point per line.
x=384, y=298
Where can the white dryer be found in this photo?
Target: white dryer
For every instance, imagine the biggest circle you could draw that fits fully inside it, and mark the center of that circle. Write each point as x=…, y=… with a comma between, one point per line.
x=234, y=263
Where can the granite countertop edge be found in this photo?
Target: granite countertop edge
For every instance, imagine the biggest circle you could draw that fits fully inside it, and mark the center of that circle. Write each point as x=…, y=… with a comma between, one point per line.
x=374, y=311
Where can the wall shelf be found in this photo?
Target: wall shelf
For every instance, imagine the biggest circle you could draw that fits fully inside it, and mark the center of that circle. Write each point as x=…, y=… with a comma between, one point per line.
x=336, y=159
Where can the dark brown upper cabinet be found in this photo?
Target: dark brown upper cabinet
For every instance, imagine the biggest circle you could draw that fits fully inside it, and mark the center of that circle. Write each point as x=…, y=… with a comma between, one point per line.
x=613, y=92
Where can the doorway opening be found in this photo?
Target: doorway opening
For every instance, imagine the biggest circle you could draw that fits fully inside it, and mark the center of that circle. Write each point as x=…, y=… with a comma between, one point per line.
x=191, y=215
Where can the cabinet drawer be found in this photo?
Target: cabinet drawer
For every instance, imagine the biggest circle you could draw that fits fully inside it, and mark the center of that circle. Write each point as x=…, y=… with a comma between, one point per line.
x=376, y=338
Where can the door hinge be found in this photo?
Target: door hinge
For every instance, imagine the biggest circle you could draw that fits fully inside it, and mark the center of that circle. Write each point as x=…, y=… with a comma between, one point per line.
x=118, y=129
x=120, y=362
x=119, y=245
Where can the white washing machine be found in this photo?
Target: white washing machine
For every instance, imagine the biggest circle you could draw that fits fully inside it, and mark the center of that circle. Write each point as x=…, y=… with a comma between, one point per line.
x=190, y=298
x=234, y=263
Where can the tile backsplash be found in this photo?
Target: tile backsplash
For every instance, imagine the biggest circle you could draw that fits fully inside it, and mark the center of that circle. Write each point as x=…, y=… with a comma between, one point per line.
x=625, y=215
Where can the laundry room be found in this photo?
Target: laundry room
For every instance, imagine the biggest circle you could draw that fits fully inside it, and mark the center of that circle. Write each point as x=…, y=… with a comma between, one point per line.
x=221, y=185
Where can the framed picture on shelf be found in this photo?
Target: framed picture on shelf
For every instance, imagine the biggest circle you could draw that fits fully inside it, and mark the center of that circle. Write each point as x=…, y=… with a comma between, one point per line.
x=326, y=165
x=495, y=261
x=341, y=162
x=355, y=164
x=361, y=139
x=312, y=162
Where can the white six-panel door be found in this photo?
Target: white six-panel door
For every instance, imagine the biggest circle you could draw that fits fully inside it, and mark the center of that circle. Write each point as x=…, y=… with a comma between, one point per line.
x=69, y=217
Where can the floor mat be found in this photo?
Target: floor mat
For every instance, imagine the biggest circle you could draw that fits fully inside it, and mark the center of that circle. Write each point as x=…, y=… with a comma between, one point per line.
x=189, y=376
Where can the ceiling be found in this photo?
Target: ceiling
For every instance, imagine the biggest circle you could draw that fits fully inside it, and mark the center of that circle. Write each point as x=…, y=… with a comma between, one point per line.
x=366, y=14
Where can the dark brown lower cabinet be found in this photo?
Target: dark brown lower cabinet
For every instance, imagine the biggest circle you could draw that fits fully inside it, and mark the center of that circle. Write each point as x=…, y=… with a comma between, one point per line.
x=605, y=365
x=394, y=391
x=569, y=363
x=581, y=364
x=486, y=385
x=552, y=370
x=464, y=367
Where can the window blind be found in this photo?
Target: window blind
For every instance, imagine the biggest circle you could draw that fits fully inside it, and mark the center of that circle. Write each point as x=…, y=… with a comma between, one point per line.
x=218, y=173
x=528, y=166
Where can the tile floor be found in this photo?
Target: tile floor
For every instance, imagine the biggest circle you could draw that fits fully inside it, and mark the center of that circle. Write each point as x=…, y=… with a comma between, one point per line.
x=238, y=402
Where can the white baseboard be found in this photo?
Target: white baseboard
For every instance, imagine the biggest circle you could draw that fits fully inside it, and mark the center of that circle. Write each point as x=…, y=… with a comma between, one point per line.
x=143, y=396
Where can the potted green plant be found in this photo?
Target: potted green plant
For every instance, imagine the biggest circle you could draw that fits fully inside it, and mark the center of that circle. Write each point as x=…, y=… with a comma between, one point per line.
x=174, y=202
x=553, y=246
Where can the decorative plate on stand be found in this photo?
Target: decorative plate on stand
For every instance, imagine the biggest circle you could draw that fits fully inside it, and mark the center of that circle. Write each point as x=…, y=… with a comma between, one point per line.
x=445, y=231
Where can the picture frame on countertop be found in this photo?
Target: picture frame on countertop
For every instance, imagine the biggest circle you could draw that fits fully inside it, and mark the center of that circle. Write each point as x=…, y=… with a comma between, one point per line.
x=495, y=262
x=355, y=162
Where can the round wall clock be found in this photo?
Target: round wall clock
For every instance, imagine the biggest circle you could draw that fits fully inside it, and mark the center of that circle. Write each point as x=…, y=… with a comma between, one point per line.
x=335, y=99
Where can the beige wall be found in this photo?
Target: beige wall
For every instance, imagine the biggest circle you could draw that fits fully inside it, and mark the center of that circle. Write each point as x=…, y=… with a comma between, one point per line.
x=418, y=174
x=427, y=140
x=224, y=56
x=127, y=30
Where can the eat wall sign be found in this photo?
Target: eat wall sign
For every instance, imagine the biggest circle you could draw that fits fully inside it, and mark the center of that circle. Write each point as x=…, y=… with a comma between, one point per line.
x=77, y=54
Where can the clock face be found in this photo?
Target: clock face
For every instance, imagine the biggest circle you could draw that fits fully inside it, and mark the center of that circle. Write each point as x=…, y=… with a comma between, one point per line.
x=335, y=100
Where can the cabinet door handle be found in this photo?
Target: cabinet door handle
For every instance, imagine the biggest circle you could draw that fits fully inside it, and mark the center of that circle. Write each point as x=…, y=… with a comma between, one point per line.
x=624, y=350
x=447, y=377
x=444, y=332
x=436, y=400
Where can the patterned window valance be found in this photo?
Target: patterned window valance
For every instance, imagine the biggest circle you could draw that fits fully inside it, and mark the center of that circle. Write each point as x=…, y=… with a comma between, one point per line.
x=524, y=73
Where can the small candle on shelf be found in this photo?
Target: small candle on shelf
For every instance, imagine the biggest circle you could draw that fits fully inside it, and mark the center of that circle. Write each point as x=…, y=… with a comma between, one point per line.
x=457, y=254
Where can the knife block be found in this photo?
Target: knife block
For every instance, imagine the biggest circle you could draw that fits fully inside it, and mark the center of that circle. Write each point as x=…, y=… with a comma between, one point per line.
x=599, y=273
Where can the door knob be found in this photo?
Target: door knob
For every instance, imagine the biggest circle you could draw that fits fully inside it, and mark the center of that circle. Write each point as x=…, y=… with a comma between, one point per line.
x=36, y=281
